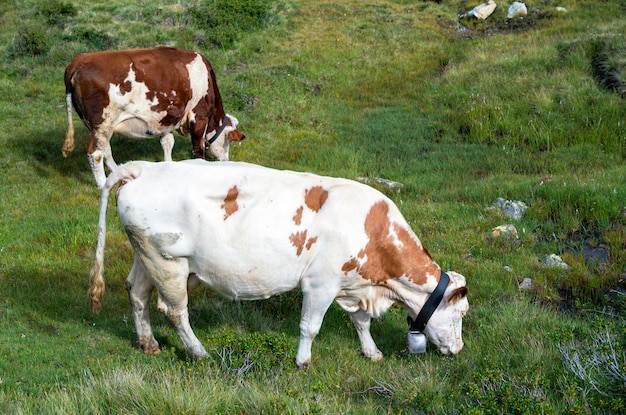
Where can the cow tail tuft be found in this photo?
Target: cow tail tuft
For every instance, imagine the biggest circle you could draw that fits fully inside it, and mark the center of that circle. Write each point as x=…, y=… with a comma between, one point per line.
x=68, y=145
x=96, y=275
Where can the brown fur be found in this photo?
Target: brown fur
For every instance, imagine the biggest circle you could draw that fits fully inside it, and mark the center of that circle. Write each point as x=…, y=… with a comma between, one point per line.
x=230, y=205
x=315, y=197
x=385, y=260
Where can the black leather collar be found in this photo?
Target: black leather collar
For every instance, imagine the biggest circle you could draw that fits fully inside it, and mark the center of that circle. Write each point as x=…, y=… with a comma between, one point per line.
x=418, y=325
x=219, y=131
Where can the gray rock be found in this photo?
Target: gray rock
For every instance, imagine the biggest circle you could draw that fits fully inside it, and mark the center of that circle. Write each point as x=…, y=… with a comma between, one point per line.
x=598, y=255
x=514, y=209
x=507, y=230
x=482, y=11
x=555, y=261
x=517, y=9
x=526, y=284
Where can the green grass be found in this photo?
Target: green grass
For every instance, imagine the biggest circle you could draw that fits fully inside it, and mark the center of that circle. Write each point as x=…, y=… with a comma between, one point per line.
x=530, y=110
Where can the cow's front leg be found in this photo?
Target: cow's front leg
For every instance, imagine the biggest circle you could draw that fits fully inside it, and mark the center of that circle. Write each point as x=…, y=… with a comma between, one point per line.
x=97, y=167
x=99, y=153
x=140, y=289
x=167, y=143
x=108, y=157
x=361, y=321
x=315, y=303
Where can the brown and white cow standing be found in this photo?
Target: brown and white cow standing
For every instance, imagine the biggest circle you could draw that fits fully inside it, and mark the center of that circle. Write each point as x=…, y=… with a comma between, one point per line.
x=250, y=232
x=143, y=93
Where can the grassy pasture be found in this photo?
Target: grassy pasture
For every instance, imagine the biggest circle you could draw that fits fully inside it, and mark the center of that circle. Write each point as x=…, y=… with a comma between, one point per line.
x=460, y=112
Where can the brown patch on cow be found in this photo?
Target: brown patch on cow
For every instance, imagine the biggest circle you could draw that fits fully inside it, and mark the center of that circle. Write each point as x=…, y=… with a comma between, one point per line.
x=297, y=218
x=315, y=198
x=310, y=242
x=353, y=263
x=298, y=240
x=230, y=205
x=385, y=259
x=236, y=135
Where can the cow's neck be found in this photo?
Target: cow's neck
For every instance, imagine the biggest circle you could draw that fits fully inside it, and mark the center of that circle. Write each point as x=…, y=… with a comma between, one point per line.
x=430, y=306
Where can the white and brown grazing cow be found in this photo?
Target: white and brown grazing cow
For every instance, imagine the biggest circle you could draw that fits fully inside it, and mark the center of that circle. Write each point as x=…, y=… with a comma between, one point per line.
x=250, y=232
x=143, y=93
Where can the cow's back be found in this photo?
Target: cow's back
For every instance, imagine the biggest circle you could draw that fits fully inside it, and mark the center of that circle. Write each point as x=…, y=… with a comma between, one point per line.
x=95, y=78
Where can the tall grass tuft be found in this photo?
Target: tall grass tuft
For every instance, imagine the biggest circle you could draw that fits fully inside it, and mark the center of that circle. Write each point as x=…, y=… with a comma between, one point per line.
x=608, y=63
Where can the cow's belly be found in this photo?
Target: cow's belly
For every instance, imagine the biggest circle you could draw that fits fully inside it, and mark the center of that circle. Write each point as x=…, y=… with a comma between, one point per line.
x=250, y=278
x=247, y=287
x=139, y=128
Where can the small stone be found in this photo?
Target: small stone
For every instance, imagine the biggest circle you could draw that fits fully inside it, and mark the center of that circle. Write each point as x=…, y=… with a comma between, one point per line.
x=505, y=230
x=517, y=9
x=598, y=255
x=526, y=284
x=512, y=208
x=555, y=261
x=482, y=11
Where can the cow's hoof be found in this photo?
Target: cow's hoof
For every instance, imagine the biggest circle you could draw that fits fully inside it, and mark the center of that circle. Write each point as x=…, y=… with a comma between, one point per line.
x=150, y=346
x=303, y=365
x=374, y=356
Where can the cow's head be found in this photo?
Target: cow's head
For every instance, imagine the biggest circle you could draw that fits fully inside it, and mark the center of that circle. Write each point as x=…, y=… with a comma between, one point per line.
x=219, y=141
x=444, y=328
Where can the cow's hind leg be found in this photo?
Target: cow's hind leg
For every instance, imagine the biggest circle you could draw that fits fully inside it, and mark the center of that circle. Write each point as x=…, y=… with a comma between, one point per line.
x=315, y=303
x=361, y=321
x=140, y=289
x=171, y=281
x=167, y=143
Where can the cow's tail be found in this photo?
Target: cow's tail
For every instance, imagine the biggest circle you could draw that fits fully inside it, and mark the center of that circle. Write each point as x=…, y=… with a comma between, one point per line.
x=124, y=173
x=68, y=145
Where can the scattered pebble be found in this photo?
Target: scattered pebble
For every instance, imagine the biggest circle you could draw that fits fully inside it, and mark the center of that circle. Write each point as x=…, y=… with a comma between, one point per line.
x=512, y=208
x=505, y=230
x=555, y=261
x=482, y=11
x=517, y=9
x=598, y=255
x=526, y=284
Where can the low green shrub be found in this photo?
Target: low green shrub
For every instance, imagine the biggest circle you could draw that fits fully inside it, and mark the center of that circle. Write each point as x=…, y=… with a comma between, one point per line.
x=497, y=392
x=223, y=22
x=57, y=13
x=94, y=38
x=29, y=42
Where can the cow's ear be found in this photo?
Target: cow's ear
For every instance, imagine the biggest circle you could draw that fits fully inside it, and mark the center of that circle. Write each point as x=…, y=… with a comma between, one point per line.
x=457, y=294
x=235, y=136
